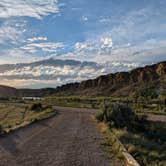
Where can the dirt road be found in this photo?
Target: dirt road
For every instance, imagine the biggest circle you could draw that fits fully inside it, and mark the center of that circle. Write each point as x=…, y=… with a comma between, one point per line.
x=156, y=118
x=69, y=139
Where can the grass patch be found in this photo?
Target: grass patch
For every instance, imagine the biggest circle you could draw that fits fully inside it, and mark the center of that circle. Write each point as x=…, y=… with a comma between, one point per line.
x=154, y=106
x=144, y=140
x=145, y=150
x=110, y=143
x=13, y=116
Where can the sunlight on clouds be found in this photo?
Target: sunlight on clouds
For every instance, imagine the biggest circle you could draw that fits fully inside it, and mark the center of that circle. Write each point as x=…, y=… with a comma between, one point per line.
x=22, y=83
x=106, y=42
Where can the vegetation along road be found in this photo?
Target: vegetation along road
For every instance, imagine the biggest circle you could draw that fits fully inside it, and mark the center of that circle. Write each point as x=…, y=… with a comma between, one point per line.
x=69, y=139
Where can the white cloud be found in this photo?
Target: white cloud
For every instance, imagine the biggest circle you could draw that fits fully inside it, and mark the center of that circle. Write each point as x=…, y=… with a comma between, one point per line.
x=99, y=46
x=137, y=25
x=106, y=42
x=84, y=18
x=15, y=55
x=47, y=46
x=12, y=31
x=29, y=8
x=105, y=20
x=143, y=52
x=40, y=38
x=82, y=46
x=10, y=34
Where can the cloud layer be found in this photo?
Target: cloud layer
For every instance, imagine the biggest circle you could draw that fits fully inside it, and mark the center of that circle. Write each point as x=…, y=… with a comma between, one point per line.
x=53, y=72
x=28, y=8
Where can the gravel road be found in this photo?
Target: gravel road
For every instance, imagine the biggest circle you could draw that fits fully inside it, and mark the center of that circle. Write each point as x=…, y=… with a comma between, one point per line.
x=69, y=139
x=156, y=118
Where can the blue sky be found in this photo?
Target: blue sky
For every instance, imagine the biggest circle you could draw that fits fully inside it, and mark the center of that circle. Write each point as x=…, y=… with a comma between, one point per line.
x=101, y=31
x=107, y=30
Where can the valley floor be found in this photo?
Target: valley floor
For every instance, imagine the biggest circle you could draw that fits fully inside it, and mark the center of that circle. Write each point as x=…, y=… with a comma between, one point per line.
x=69, y=139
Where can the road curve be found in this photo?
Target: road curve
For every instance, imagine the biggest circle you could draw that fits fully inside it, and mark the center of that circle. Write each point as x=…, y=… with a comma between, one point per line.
x=69, y=139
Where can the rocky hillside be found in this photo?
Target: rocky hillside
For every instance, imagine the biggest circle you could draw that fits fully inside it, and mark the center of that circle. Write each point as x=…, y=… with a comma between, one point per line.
x=121, y=83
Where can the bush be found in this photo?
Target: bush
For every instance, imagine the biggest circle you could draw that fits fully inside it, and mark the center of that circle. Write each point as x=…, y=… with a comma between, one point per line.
x=1, y=130
x=99, y=116
x=37, y=107
x=118, y=115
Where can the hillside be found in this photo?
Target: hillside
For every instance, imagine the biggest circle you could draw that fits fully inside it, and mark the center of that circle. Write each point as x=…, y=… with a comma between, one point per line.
x=149, y=79
x=6, y=91
x=122, y=83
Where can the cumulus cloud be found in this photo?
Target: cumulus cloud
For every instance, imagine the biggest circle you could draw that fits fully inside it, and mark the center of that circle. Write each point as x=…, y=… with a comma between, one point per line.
x=82, y=46
x=29, y=8
x=106, y=42
x=100, y=46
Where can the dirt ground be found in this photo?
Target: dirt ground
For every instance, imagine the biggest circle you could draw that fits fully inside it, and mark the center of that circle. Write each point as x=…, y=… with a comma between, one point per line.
x=69, y=139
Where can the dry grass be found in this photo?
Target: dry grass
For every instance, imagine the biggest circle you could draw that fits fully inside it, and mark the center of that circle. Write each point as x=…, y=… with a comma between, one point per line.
x=103, y=127
x=111, y=144
x=146, y=151
x=13, y=116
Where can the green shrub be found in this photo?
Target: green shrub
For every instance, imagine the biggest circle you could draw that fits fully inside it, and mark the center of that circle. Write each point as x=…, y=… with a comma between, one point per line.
x=118, y=115
x=1, y=130
x=37, y=107
x=99, y=116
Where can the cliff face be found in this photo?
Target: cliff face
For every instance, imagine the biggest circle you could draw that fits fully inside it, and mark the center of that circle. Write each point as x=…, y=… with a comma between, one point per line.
x=118, y=84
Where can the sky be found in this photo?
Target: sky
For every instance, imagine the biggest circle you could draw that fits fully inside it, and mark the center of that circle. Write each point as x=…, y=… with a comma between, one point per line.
x=84, y=30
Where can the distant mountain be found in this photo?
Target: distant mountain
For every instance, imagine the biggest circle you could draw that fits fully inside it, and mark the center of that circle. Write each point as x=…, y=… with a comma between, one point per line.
x=115, y=84
x=10, y=92
x=6, y=91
